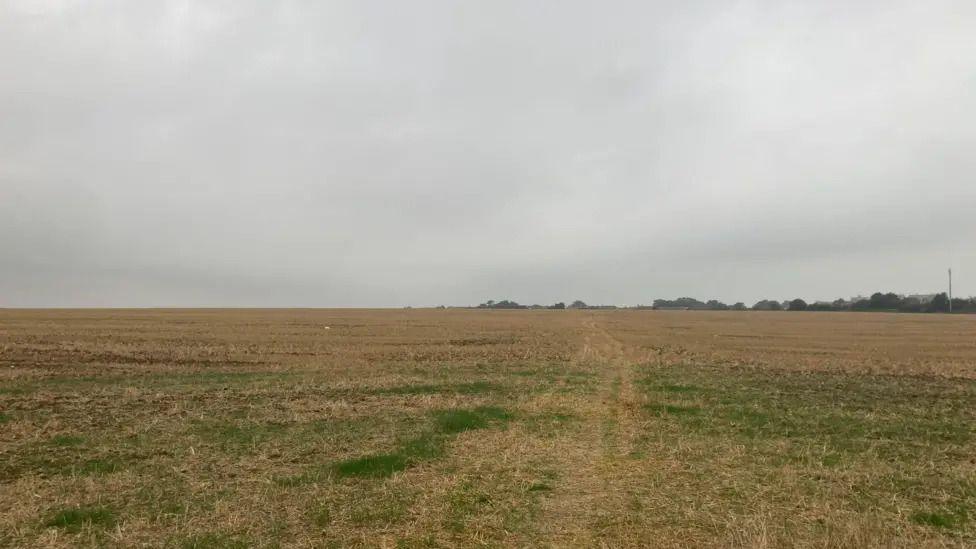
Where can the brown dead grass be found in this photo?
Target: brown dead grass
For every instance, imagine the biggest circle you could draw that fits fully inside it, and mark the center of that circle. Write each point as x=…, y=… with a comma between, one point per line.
x=222, y=428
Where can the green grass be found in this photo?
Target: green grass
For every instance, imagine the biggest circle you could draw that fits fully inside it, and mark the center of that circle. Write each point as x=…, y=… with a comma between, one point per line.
x=214, y=540
x=74, y=519
x=310, y=476
x=66, y=462
x=197, y=381
x=379, y=465
x=673, y=388
x=429, y=445
x=673, y=409
x=465, y=501
x=460, y=420
x=98, y=467
x=67, y=440
x=322, y=516
x=423, y=447
x=230, y=434
x=847, y=413
x=882, y=436
x=549, y=423
x=472, y=388
x=941, y=519
x=383, y=511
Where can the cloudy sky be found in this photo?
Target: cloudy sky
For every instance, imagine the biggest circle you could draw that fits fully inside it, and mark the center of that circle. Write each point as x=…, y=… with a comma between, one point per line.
x=358, y=153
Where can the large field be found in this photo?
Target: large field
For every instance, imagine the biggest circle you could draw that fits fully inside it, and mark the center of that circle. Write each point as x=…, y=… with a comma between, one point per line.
x=444, y=428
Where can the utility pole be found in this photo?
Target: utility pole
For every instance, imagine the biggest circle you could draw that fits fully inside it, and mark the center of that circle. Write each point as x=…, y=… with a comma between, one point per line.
x=950, y=290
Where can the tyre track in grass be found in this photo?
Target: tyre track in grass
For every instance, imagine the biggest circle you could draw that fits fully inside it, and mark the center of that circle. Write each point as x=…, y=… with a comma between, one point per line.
x=592, y=501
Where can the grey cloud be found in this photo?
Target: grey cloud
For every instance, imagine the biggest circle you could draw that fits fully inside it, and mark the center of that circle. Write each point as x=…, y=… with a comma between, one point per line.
x=391, y=153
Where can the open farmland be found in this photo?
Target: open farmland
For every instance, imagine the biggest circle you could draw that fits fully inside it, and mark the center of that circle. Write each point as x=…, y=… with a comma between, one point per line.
x=442, y=428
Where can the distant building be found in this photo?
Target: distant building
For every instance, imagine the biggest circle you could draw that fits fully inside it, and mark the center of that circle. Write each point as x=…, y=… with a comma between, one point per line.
x=924, y=299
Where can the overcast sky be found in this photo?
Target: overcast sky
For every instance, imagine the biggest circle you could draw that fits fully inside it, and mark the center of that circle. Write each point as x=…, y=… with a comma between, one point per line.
x=421, y=153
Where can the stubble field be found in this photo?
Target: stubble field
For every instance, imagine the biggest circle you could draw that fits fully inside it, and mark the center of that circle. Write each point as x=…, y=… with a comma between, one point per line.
x=447, y=428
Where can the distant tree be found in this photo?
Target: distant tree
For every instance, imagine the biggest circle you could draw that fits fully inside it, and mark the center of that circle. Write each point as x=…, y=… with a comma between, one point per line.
x=964, y=305
x=910, y=305
x=939, y=303
x=681, y=302
x=503, y=304
x=716, y=305
x=559, y=305
x=839, y=304
x=767, y=305
x=739, y=306
x=689, y=302
x=960, y=305
x=798, y=305
x=888, y=301
x=578, y=304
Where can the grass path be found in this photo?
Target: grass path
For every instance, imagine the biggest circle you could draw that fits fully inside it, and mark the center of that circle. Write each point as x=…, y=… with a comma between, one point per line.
x=593, y=495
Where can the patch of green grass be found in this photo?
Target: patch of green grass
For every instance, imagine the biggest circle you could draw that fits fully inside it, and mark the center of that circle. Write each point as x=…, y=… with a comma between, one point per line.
x=940, y=519
x=673, y=409
x=311, y=476
x=98, y=467
x=4, y=418
x=424, y=447
x=378, y=511
x=555, y=417
x=67, y=440
x=219, y=378
x=549, y=422
x=322, y=516
x=473, y=388
x=830, y=459
x=74, y=519
x=203, y=379
x=228, y=434
x=844, y=413
x=464, y=502
x=674, y=388
x=214, y=540
x=65, y=461
x=459, y=420
x=427, y=541
x=908, y=441
x=377, y=465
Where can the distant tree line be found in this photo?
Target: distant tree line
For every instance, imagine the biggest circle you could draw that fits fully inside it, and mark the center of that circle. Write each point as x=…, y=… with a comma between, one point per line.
x=507, y=304
x=694, y=304
x=879, y=301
